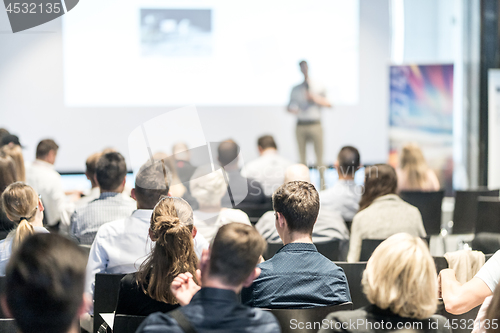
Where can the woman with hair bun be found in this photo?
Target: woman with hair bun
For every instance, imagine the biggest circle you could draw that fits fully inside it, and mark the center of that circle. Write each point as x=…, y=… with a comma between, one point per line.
x=148, y=290
x=22, y=206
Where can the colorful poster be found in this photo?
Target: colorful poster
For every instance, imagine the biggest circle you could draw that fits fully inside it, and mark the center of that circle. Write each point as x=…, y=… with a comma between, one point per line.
x=421, y=112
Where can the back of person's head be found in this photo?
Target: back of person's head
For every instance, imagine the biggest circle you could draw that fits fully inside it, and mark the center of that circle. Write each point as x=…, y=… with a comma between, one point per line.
x=297, y=172
x=266, y=141
x=20, y=204
x=380, y=179
x=228, y=152
x=8, y=173
x=44, y=147
x=180, y=151
x=16, y=153
x=91, y=165
x=45, y=283
x=235, y=252
x=401, y=276
x=172, y=229
x=414, y=165
x=493, y=313
x=298, y=202
x=348, y=160
x=151, y=183
x=3, y=132
x=111, y=170
x=207, y=187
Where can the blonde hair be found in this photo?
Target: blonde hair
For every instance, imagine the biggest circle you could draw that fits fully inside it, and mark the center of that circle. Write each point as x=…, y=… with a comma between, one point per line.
x=414, y=166
x=401, y=276
x=16, y=153
x=171, y=227
x=20, y=203
x=208, y=187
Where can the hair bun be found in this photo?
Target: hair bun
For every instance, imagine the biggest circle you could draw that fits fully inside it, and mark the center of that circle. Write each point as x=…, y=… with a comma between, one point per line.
x=166, y=223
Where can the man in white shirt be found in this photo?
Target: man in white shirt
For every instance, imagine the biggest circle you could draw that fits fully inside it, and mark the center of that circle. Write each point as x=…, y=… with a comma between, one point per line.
x=269, y=168
x=344, y=196
x=47, y=182
x=306, y=101
x=121, y=246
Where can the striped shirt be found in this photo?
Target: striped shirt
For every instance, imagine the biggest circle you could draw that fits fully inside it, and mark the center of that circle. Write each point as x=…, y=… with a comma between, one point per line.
x=110, y=206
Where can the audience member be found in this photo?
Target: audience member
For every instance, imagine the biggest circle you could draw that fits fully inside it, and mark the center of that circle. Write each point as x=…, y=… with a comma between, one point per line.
x=241, y=191
x=269, y=168
x=382, y=212
x=8, y=138
x=23, y=206
x=95, y=192
x=182, y=157
x=3, y=132
x=329, y=225
x=7, y=176
x=111, y=205
x=47, y=181
x=413, y=172
x=148, y=290
x=16, y=153
x=297, y=276
x=344, y=196
x=208, y=188
x=459, y=298
x=44, y=285
x=121, y=246
x=228, y=266
x=400, y=283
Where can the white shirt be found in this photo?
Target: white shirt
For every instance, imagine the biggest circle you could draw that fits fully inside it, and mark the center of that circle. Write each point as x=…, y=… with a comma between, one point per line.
x=122, y=245
x=268, y=169
x=344, y=197
x=308, y=111
x=6, y=249
x=47, y=182
x=209, y=223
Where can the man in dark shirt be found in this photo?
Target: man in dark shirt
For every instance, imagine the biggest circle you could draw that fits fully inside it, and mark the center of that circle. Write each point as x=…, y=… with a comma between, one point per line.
x=224, y=271
x=297, y=276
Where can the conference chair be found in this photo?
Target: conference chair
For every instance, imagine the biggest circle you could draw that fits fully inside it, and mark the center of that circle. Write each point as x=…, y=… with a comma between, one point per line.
x=8, y=326
x=127, y=323
x=369, y=245
x=272, y=248
x=354, y=273
x=105, y=295
x=466, y=209
x=429, y=204
x=441, y=263
x=287, y=318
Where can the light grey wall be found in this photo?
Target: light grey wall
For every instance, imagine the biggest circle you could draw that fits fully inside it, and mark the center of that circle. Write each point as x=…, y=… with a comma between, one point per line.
x=31, y=102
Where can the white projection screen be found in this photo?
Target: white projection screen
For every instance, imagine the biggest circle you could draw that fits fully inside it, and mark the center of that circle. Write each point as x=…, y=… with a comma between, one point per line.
x=214, y=52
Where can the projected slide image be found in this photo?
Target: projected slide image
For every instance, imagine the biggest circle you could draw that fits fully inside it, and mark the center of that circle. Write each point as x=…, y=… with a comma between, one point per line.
x=176, y=32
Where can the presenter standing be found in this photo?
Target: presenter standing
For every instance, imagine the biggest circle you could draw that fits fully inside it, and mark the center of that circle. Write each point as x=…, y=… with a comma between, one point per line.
x=306, y=101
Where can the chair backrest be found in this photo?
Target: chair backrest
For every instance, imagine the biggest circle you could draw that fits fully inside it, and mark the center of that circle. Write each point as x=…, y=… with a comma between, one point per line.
x=441, y=263
x=467, y=317
x=488, y=215
x=466, y=211
x=8, y=326
x=429, y=204
x=286, y=317
x=105, y=295
x=354, y=273
x=127, y=323
x=272, y=248
x=369, y=245
x=335, y=250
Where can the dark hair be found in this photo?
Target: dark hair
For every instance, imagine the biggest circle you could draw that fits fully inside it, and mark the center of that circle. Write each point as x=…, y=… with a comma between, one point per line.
x=235, y=252
x=493, y=312
x=173, y=253
x=302, y=62
x=266, y=141
x=380, y=179
x=228, y=151
x=349, y=160
x=110, y=171
x=45, y=146
x=44, y=283
x=151, y=183
x=298, y=202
